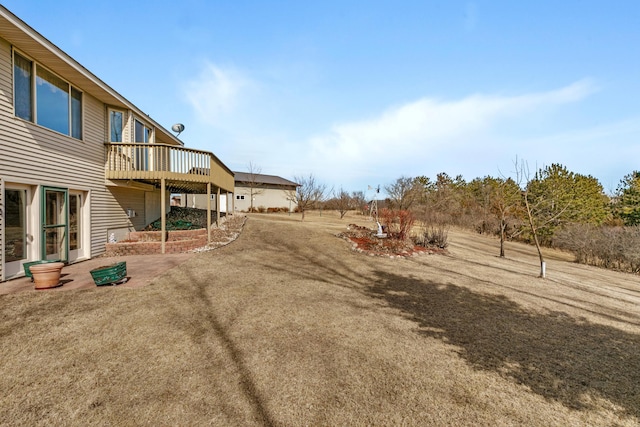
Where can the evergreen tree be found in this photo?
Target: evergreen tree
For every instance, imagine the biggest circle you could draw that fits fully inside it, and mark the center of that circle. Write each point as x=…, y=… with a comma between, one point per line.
x=558, y=196
x=627, y=204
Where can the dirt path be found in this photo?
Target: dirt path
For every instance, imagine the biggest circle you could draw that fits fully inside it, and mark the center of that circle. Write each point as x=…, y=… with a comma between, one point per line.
x=288, y=326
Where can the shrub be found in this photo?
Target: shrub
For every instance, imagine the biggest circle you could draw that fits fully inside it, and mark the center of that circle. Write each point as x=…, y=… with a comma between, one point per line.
x=179, y=218
x=398, y=223
x=435, y=236
x=605, y=246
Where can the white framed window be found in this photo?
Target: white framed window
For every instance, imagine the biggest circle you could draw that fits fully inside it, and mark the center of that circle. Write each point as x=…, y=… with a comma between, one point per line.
x=116, y=125
x=42, y=97
x=239, y=197
x=142, y=132
x=22, y=87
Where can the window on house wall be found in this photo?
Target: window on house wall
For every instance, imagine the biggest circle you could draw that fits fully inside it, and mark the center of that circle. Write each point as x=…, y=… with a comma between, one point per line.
x=42, y=97
x=22, y=77
x=52, y=101
x=141, y=133
x=116, y=125
x=239, y=197
x=76, y=113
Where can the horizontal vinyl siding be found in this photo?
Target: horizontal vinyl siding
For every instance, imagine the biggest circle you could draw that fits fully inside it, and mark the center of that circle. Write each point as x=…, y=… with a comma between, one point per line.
x=153, y=206
x=6, y=91
x=2, y=209
x=35, y=155
x=94, y=133
x=119, y=200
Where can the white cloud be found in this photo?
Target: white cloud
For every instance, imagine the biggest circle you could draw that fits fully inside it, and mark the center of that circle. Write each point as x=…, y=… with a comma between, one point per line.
x=474, y=135
x=216, y=92
x=418, y=130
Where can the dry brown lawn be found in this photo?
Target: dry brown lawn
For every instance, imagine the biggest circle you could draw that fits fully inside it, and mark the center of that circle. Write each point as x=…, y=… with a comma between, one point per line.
x=287, y=326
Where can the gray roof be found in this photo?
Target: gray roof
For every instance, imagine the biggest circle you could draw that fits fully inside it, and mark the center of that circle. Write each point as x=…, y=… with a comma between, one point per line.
x=263, y=179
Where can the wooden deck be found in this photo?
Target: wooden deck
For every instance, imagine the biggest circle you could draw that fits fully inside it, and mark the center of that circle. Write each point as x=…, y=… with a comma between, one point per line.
x=184, y=170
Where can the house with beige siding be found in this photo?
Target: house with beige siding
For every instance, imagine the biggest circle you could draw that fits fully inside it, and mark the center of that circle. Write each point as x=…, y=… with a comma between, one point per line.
x=266, y=191
x=79, y=164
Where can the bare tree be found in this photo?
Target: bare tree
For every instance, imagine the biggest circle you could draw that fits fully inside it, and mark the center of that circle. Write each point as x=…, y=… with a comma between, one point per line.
x=253, y=182
x=309, y=193
x=541, y=208
x=403, y=193
x=522, y=173
x=359, y=201
x=341, y=202
x=504, y=203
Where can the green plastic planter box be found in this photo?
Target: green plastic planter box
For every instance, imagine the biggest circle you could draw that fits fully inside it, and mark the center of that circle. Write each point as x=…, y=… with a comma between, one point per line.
x=27, y=266
x=110, y=274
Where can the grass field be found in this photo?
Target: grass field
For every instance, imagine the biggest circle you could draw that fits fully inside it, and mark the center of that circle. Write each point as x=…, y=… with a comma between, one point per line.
x=287, y=326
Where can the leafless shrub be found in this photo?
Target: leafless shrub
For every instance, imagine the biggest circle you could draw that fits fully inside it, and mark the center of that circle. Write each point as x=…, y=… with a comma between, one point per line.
x=434, y=236
x=607, y=247
x=397, y=222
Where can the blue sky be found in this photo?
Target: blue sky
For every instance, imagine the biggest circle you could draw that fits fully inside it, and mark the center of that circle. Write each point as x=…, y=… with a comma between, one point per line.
x=360, y=93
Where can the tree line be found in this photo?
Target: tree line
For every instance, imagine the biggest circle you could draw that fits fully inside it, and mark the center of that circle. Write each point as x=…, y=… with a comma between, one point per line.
x=552, y=207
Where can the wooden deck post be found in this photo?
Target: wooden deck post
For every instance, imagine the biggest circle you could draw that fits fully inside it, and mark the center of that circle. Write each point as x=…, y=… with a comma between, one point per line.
x=163, y=210
x=208, y=212
x=218, y=207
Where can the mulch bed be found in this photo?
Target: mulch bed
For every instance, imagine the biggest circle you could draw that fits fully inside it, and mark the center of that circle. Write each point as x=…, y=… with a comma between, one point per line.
x=364, y=240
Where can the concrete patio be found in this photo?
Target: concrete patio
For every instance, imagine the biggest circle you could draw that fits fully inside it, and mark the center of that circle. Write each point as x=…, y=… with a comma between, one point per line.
x=141, y=269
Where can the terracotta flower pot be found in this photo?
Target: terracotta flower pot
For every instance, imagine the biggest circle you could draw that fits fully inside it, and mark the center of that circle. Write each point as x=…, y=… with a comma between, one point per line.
x=46, y=276
x=27, y=266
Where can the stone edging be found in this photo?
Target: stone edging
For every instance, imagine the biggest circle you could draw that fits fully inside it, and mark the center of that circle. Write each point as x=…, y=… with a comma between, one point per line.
x=229, y=239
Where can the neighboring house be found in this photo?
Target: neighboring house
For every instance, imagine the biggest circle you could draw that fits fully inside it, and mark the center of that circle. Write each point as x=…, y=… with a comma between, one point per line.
x=268, y=191
x=79, y=164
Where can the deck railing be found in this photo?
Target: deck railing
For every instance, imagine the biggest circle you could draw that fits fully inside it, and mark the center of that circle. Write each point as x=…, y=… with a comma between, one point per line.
x=156, y=161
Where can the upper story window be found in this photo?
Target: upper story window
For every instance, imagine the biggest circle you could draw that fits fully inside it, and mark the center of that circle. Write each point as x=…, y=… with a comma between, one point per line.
x=52, y=101
x=116, y=125
x=142, y=132
x=44, y=98
x=22, y=76
x=76, y=113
